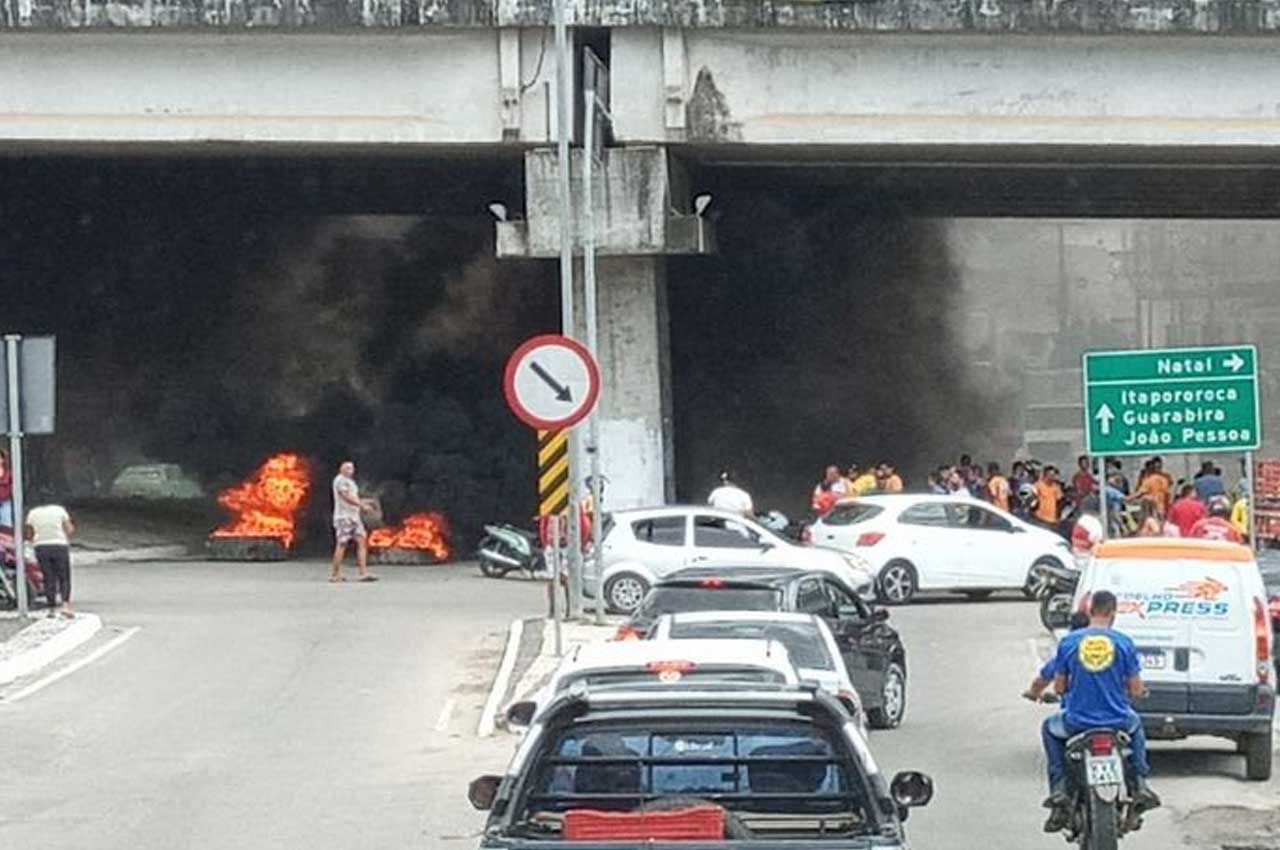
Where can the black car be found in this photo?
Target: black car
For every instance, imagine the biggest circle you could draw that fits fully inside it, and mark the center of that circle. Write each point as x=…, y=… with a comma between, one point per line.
x=872, y=649
x=627, y=766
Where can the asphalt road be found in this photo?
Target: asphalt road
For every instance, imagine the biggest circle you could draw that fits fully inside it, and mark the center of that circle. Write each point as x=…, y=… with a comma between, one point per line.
x=259, y=706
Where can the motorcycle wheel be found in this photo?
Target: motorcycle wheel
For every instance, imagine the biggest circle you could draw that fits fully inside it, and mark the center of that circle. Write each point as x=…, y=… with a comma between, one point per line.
x=491, y=569
x=1047, y=604
x=1103, y=829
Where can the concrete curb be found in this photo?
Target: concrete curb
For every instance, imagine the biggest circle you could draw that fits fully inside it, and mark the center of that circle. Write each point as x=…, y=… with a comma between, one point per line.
x=488, y=715
x=83, y=627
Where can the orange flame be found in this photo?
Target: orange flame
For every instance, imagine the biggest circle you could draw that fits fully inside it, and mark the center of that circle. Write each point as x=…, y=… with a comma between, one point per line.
x=266, y=505
x=428, y=531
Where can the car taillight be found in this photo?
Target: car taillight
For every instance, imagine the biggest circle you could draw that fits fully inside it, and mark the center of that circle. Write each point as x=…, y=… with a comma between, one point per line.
x=1101, y=745
x=1261, y=641
x=670, y=666
x=628, y=632
x=713, y=583
x=870, y=538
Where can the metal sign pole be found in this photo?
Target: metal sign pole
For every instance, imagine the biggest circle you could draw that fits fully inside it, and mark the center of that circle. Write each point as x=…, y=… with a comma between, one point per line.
x=564, y=105
x=593, y=330
x=554, y=564
x=1252, y=506
x=15, y=466
x=1102, y=494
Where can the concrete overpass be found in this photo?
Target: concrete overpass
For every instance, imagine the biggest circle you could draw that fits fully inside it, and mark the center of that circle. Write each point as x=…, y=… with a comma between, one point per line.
x=1168, y=107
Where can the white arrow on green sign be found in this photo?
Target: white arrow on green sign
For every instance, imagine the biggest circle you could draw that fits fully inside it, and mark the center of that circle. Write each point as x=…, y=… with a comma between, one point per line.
x=1172, y=400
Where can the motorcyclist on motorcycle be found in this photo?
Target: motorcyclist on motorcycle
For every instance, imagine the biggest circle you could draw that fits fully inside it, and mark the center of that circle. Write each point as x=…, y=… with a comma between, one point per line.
x=1097, y=671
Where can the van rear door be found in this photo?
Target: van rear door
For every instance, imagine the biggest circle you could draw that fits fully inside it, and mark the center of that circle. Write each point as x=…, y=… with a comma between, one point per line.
x=1222, y=670
x=1162, y=639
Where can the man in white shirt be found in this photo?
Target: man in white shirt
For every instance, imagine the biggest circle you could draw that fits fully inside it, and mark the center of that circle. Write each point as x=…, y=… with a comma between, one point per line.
x=730, y=497
x=51, y=528
x=348, y=525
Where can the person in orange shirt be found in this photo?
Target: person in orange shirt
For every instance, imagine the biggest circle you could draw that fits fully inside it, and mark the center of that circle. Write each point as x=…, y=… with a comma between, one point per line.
x=997, y=487
x=1049, y=494
x=1156, y=486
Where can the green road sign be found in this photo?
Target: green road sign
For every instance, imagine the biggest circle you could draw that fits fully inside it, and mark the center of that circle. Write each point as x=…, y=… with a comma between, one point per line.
x=1171, y=400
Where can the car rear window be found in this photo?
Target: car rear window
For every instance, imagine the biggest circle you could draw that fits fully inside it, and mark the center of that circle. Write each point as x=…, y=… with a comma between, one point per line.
x=778, y=779
x=676, y=600
x=805, y=646
x=852, y=513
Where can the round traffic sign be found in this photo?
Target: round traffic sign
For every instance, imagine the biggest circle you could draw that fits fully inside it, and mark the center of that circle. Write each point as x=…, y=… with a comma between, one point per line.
x=551, y=382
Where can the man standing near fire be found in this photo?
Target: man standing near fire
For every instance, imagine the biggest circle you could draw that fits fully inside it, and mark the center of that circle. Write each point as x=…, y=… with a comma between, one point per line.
x=348, y=525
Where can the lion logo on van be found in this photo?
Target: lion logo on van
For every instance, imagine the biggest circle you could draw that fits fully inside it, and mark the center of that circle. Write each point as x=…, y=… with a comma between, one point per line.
x=1208, y=589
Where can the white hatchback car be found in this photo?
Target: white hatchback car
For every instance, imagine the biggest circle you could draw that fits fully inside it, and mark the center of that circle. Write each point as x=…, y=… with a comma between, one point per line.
x=665, y=663
x=812, y=647
x=644, y=545
x=927, y=542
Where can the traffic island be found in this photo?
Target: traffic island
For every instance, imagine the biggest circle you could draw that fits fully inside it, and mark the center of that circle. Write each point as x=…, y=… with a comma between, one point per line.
x=41, y=641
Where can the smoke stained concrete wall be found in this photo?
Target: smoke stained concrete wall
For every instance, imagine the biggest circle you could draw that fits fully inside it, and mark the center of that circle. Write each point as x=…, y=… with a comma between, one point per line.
x=1036, y=294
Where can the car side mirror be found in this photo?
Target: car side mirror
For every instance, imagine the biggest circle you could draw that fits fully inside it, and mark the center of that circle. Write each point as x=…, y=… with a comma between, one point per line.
x=521, y=713
x=1057, y=614
x=484, y=789
x=911, y=789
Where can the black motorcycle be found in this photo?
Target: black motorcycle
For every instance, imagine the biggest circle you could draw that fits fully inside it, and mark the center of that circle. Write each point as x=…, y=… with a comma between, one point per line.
x=506, y=548
x=1099, y=782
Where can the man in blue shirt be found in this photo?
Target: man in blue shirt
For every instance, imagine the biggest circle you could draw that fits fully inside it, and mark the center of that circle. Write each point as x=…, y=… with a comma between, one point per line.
x=1097, y=670
x=1208, y=482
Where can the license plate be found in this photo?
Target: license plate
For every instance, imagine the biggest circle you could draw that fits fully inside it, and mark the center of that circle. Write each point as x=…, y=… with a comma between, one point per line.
x=1152, y=659
x=1103, y=770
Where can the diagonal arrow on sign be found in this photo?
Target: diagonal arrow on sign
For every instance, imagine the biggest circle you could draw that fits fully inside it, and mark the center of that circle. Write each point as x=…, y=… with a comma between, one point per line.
x=1104, y=416
x=563, y=393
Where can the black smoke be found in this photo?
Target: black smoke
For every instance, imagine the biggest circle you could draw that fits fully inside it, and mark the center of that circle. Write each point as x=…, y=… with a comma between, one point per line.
x=213, y=324
x=210, y=313
x=823, y=333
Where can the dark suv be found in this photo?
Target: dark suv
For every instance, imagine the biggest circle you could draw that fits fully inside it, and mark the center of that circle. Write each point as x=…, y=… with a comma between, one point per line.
x=628, y=766
x=872, y=649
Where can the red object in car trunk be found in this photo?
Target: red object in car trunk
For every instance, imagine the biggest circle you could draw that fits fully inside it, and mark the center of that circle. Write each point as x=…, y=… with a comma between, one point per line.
x=696, y=823
x=628, y=632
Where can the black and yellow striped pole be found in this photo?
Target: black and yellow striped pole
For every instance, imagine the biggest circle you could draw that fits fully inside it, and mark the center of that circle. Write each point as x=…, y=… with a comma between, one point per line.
x=553, y=472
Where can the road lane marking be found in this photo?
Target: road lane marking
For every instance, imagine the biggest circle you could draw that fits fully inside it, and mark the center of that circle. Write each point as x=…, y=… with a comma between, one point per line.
x=41, y=684
x=442, y=722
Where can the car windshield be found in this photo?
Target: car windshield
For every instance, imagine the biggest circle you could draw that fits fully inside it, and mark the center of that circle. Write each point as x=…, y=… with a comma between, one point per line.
x=679, y=599
x=803, y=642
x=701, y=674
x=852, y=513
x=774, y=780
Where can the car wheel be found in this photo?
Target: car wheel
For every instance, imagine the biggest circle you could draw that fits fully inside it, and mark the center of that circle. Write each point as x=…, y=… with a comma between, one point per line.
x=1034, y=585
x=1257, y=757
x=897, y=584
x=893, y=696
x=624, y=592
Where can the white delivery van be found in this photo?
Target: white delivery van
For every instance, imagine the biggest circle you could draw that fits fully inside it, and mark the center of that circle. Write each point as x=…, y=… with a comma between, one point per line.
x=1197, y=612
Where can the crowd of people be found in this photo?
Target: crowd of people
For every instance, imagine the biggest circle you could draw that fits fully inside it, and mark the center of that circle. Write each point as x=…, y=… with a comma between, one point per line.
x=1153, y=505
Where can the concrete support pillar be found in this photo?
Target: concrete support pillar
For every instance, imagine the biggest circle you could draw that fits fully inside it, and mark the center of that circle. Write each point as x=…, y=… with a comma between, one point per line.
x=636, y=448
x=643, y=214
